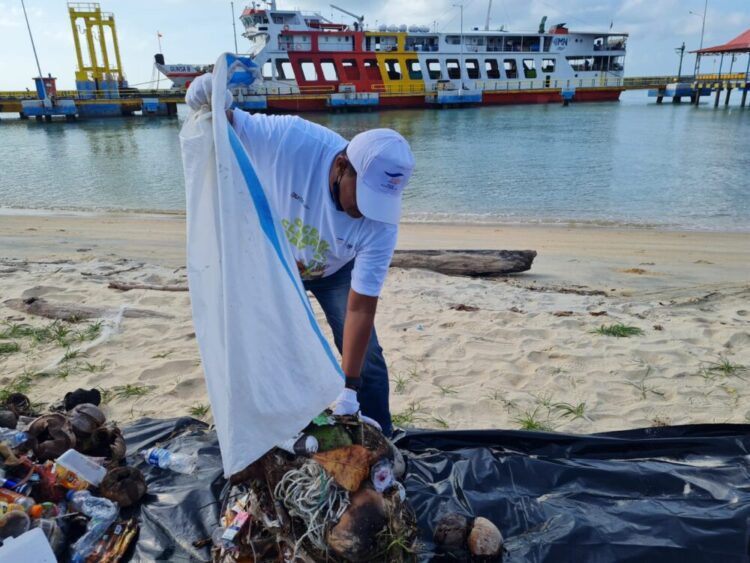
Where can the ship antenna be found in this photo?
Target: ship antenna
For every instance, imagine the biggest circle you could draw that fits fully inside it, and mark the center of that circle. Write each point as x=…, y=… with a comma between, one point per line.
x=39, y=68
x=487, y=21
x=234, y=29
x=359, y=19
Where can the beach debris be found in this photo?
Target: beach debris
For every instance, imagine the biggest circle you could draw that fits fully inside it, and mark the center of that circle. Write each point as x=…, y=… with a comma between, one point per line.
x=471, y=263
x=485, y=540
x=598, y=313
x=124, y=286
x=8, y=419
x=462, y=307
x=71, y=313
x=19, y=403
x=339, y=504
x=123, y=485
x=80, y=396
x=348, y=466
x=355, y=535
x=165, y=459
x=300, y=445
x=563, y=313
x=53, y=434
x=452, y=532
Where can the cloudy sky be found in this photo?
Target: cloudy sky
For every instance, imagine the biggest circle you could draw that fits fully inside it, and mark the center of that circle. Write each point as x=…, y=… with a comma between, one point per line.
x=196, y=31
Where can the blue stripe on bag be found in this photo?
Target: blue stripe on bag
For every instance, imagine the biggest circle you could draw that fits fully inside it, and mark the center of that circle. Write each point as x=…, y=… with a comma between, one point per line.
x=265, y=216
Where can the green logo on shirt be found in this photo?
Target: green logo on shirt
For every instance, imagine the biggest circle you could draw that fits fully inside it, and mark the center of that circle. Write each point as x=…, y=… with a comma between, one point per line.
x=301, y=237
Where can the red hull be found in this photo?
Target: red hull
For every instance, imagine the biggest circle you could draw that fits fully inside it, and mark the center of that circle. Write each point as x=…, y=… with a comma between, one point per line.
x=294, y=104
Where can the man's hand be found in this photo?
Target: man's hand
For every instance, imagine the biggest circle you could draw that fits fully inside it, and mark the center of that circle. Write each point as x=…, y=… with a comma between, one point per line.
x=346, y=403
x=199, y=93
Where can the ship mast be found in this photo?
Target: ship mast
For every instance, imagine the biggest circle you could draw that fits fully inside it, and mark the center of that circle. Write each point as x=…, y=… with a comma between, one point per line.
x=487, y=21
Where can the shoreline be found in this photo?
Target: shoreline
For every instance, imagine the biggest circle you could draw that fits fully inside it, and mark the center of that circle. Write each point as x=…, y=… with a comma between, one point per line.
x=407, y=219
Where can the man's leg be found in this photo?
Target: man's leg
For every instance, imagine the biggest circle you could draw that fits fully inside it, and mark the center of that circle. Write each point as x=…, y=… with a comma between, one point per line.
x=332, y=293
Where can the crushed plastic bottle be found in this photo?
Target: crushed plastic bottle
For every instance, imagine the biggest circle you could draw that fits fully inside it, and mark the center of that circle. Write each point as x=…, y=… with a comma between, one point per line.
x=165, y=459
x=13, y=438
x=102, y=513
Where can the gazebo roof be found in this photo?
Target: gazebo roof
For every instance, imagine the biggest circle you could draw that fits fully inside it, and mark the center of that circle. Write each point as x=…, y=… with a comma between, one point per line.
x=740, y=44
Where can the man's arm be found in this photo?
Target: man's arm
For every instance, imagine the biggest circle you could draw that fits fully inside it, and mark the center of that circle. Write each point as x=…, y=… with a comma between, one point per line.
x=360, y=318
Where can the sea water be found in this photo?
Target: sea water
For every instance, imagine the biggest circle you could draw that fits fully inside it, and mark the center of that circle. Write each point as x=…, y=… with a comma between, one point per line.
x=630, y=163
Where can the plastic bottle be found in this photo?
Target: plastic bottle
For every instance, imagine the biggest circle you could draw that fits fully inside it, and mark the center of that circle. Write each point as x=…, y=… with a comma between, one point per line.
x=12, y=497
x=13, y=438
x=165, y=459
x=102, y=512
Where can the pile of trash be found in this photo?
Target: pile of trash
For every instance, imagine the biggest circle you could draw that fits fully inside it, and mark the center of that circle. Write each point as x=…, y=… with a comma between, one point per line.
x=66, y=493
x=330, y=494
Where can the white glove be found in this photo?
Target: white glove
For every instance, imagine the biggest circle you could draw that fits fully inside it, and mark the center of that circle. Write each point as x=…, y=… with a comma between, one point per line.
x=199, y=93
x=346, y=403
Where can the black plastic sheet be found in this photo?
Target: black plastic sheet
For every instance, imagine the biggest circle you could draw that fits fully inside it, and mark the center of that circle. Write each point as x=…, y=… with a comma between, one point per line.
x=657, y=494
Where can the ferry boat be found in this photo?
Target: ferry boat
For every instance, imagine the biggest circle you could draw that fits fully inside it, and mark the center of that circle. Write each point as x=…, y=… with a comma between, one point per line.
x=310, y=63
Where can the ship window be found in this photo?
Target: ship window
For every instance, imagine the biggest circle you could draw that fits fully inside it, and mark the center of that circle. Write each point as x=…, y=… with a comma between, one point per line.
x=491, y=69
x=580, y=64
x=351, y=70
x=530, y=44
x=284, y=69
x=453, y=39
x=393, y=69
x=529, y=68
x=454, y=71
x=433, y=69
x=547, y=44
x=511, y=69
x=548, y=65
x=617, y=65
x=308, y=71
x=329, y=70
x=513, y=43
x=472, y=69
x=414, y=69
x=267, y=70
x=371, y=69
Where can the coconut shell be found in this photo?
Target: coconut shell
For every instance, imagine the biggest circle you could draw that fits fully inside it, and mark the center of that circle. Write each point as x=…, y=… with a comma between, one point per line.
x=8, y=419
x=53, y=436
x=19, y=404
x=355, y=537
x=485, y=540
x=85, y=419
x=124, y=485
x=451, y=532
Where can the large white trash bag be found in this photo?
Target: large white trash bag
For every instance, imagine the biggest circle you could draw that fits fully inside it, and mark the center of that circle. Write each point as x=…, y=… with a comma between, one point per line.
x=268, y=367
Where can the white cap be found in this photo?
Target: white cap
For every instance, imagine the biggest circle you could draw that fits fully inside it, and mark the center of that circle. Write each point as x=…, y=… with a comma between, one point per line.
x=384, y=163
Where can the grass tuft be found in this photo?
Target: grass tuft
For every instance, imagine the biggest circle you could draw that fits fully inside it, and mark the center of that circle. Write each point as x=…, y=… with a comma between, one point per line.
x=446, y=389
x=575, y=411
x=618, y=330
x=399, y=384
x=199, y=411
x=9, y=348
x=19, y=384
x=530, y=420
x=130, y=390
x=725, y=367
x=408, y=417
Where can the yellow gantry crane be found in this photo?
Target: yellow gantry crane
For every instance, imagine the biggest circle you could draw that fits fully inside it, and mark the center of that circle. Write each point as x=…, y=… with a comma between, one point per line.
x=94, y=23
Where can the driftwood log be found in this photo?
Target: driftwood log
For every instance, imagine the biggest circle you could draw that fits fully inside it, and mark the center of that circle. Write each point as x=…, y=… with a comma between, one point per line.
x=122, y=286
x=472, y=263
x=71, y=312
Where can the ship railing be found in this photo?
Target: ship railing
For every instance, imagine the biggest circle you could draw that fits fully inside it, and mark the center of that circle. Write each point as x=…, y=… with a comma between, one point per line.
x=735, y=76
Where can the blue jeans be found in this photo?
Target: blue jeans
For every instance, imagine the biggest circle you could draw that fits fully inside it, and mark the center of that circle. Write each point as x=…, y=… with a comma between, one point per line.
x=332, y=292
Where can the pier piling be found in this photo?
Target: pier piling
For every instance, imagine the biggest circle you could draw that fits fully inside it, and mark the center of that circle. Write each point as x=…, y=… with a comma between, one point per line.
x=718, y=96
x=744, y=97
x=729, y=93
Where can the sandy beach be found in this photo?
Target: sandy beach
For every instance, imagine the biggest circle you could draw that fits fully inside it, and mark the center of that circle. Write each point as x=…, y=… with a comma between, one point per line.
x=521, y=352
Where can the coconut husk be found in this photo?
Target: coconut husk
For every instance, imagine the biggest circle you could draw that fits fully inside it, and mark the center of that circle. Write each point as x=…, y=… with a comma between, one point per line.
x=8, y=419
x=355, y=536
x=53, y=435
x=85, y=419
x=19, y=404
x=124, y=485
